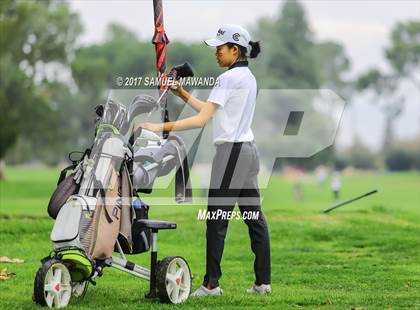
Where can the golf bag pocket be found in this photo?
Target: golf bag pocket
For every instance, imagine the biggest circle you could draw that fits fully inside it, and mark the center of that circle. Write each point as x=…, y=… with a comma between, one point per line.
x=68, y=184
x=106, y=221
x=141, y=235
x=67, y=230
x=64, y=190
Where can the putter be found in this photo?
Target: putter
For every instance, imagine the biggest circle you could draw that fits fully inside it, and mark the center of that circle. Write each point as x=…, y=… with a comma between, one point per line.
x=351, y=200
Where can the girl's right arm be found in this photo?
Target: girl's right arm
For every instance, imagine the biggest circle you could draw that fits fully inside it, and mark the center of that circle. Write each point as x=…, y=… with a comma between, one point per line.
x=195, y=103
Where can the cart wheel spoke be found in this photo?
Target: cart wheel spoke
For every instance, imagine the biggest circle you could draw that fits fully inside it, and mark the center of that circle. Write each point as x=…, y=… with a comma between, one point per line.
x=170, y=287
x=175, y=293
x=172, y=268
x=66, y=288
x=57, y=300
x=180, y=273
x=57, y=275
x=49, y=287
x=171, y=278
x=49, y=299
x=49, y=277
x=183, y=288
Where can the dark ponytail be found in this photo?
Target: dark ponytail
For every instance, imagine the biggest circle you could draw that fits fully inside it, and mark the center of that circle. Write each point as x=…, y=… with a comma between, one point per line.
x=255, y=49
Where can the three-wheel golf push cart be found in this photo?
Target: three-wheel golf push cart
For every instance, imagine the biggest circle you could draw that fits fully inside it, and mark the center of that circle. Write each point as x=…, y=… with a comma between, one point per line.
x=98, y=211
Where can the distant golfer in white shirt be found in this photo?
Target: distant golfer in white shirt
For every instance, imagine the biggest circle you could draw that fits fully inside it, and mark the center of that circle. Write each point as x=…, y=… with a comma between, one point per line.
x=235, y=166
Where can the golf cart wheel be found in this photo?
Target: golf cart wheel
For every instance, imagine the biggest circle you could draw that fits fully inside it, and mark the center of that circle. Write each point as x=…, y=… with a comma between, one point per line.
x=79, y=289
x=52, y=286
x=173, y=280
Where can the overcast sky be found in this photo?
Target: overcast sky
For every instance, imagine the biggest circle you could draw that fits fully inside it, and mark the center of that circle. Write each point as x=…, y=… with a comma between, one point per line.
x=363, y=28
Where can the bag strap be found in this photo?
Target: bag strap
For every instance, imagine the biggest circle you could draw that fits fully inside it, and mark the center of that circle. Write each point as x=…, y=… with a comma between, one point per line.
x=63, y=173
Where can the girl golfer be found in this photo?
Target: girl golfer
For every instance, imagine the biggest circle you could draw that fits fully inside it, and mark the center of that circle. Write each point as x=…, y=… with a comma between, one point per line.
x=235, y=166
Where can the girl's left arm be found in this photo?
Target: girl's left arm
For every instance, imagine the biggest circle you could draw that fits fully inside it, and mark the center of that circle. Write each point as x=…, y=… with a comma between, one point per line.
x=197, y=121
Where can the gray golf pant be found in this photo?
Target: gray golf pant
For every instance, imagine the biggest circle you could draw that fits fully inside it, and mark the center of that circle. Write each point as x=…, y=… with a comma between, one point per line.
x=234, y=180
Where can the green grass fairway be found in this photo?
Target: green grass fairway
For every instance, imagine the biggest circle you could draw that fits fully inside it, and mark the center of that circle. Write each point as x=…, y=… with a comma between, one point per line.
x=364, y=255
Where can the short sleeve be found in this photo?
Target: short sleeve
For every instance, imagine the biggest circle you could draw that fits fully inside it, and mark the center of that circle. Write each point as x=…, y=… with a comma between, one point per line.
x=219, y=93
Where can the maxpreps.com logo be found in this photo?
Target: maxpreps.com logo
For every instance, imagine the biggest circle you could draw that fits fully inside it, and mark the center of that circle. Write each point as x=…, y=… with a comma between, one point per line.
x=236, y=36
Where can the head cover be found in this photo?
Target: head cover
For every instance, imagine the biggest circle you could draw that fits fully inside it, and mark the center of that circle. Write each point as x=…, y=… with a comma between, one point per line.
x=230, y=33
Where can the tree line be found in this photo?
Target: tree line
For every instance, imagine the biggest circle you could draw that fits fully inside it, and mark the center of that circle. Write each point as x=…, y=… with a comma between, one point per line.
x=49, y=86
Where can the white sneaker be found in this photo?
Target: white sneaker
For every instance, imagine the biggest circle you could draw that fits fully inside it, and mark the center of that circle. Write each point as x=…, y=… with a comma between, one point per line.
x=259, y=289
x=204, y=291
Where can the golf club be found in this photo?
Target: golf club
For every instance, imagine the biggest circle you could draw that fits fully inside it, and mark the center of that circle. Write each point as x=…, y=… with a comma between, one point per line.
x=351, y=200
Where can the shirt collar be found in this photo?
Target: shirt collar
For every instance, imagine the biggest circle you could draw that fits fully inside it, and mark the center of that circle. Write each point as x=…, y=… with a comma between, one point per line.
x=241, y=63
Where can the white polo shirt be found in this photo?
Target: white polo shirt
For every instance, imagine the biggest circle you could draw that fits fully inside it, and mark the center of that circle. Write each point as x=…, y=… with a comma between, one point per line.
x=236, y=94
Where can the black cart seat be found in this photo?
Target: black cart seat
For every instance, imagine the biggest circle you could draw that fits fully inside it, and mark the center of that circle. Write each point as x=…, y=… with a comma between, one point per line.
x=157, y=224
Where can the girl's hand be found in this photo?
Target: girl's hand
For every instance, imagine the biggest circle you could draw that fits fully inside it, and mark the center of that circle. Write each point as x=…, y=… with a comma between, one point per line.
x=179, y=91
x=152, y=126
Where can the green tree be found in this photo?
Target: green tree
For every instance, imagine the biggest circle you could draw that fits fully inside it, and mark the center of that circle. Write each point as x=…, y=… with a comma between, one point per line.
x=96, y=67
x=35, y=37
x=288, y=60
x=332, y=63
x=403, y=56
x=404, y=52
x=292, y=59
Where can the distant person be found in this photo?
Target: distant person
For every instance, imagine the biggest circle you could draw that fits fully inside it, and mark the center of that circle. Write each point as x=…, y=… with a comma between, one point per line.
x=321, y=175
x=298, y=188
x=336, y=185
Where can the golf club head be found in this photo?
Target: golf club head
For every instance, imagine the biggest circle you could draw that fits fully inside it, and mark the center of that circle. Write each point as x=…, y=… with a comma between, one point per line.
x=177, y=72
x=182, y=71
x=139, y=105
x=114, y=113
